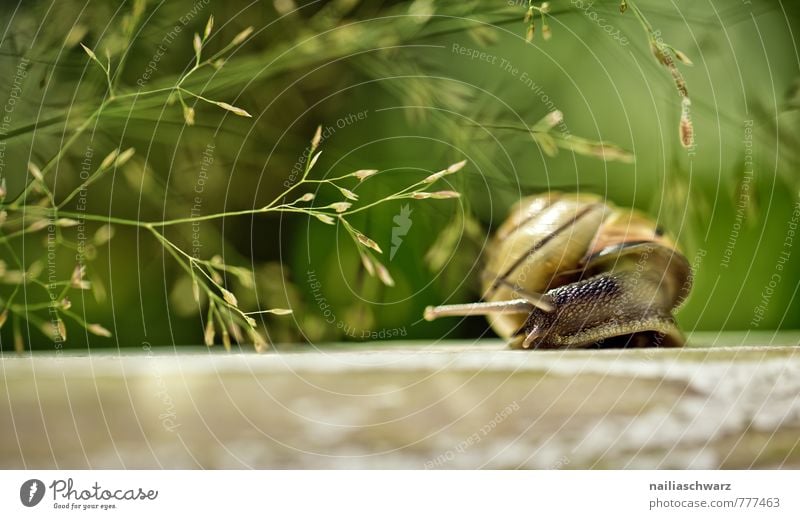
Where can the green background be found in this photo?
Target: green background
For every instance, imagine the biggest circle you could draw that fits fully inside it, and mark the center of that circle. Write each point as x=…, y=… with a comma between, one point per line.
x=425, y=106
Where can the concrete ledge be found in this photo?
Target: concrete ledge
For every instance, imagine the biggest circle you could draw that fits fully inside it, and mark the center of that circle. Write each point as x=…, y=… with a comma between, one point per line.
x=406, y=406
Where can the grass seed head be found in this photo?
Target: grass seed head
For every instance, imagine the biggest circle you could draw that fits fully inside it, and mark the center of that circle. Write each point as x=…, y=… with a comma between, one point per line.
x=683, y=58
x=35, y=172
x=383, y=274
x=229, y=298
x=443, y=195
x=234, y=109
x=239, y=38
x=98, y=330
x=348, y=194
x=208, y=333
x=363, y=174
x=109, y=159
x=324, y=218
x=209, y=27
x=188, y=115
x=367, y=262
x=367, y=242
x=259, y=342
x=317, y=139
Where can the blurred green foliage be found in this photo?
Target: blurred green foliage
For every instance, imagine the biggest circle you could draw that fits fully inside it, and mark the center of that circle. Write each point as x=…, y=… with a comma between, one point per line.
x=406, y=87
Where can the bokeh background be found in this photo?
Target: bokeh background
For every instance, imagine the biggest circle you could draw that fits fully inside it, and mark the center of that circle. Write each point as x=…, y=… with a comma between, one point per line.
x=401, y=86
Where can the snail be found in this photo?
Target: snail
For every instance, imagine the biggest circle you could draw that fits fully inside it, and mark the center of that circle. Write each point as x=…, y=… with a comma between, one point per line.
x=573, y=271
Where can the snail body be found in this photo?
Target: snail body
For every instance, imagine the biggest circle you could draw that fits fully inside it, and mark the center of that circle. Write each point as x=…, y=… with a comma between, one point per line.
x=574, y=271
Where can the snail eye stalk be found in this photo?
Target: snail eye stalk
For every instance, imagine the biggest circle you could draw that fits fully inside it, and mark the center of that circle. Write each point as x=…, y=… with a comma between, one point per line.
x=514, y=306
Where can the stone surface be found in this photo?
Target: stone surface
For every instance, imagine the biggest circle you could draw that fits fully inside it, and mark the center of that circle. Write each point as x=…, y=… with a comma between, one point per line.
x=401, y=405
